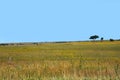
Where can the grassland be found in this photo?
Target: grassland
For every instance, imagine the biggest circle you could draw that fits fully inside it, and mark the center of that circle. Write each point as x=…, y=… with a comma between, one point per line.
x=61, y=61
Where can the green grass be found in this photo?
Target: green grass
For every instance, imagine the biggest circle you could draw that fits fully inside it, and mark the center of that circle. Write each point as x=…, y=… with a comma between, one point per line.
x=61, y=61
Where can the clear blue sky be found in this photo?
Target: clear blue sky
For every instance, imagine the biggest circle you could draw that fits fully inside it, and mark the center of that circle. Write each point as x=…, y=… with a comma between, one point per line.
x=58, y=20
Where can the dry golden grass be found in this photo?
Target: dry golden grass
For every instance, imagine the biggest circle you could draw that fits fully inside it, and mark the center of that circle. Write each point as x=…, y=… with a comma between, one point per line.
x=61, y=61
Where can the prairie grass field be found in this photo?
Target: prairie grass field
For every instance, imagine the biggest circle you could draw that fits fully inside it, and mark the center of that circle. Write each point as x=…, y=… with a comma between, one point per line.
x=61, y=61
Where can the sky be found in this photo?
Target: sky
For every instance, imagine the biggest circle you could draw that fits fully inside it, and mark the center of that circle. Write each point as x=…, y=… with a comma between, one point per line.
x=58, y=20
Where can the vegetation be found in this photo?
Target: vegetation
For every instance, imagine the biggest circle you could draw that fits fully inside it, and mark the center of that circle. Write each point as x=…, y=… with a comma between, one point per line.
x=102, y=39
x=111, y=39
x=94, y=37
x=61, y=61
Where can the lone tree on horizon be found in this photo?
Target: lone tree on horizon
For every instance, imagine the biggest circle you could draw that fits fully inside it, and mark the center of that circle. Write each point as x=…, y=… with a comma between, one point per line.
x=94, y=37
x=102, y=39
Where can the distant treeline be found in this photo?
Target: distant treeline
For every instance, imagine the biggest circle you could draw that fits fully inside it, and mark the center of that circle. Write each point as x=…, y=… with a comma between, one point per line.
x=38, y=43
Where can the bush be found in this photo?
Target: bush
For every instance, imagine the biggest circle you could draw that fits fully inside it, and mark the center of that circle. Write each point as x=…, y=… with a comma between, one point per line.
x=111, y=39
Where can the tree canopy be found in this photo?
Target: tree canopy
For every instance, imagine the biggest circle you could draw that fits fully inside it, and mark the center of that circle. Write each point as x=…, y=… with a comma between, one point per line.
x=94, y=37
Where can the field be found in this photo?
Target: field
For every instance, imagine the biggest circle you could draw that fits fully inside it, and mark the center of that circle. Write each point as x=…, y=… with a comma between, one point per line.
x=61, y=61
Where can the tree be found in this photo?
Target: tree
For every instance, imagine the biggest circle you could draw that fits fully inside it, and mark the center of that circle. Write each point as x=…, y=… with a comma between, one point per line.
x=102, y=39
x=94, y=37
x=111, y=39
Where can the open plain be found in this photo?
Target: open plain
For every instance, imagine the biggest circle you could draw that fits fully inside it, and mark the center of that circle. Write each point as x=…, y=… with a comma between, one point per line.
x=61, y=61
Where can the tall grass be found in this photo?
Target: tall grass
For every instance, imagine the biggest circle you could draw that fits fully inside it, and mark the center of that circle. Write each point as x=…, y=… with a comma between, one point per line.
x=61, y=61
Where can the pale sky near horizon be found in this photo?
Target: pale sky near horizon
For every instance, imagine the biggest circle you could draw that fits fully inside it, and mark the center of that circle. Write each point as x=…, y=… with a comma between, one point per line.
x=58, y=20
